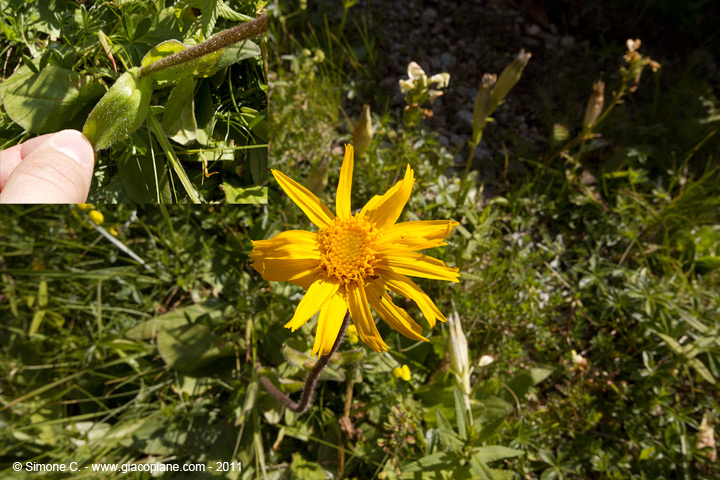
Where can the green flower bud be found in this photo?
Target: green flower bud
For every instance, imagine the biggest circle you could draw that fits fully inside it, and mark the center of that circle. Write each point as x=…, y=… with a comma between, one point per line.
x=481, y=110
x=363, y=132
x=594, y=105
x=509, y=77
x=459, y=354
x=120, y=111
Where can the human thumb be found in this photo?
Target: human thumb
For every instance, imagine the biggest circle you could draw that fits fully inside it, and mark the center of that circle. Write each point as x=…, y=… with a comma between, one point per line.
x=58, y=171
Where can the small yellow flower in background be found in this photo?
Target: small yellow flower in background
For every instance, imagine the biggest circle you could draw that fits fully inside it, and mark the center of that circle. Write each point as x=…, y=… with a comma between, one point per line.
x=402, y=372
x=85, y=206
x=351, y=262
x=352, y=334
x=96, y=217
x=113, y=231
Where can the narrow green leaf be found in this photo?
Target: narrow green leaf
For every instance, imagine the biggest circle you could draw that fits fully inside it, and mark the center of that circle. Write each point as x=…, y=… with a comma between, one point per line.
x=36, y=322
x=671, y=343
x=460, y=413
x=42, y=298
x=702, y=370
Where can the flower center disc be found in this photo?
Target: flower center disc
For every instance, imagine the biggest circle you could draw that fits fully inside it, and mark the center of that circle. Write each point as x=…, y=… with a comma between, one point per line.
x=347, y=249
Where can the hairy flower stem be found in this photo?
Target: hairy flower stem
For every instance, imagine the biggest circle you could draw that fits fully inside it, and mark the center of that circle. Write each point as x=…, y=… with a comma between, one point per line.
x=312, y=378
x=217, y=42
x=346, y=414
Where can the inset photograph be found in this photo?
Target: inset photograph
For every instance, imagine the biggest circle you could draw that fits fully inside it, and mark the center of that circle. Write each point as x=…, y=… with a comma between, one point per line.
x=139, y=102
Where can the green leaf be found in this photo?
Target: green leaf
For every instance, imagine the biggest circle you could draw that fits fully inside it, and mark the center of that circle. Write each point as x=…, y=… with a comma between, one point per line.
x=258, y=160
x=349, y=356
x=179, y=117
x=255, y=195
x=538, y=374
x=436, y=462
x=42, y=300
x=190, y=347
x=671, y=343
x=171, y=74
x=707, y=263
x=213, y=310
x=702, y=370
x=301, y=468
x=481, y=468
x=298, y=358
x=226, y=12
x=204, y=113
x=210, y=10
x=234, y=54
x=446, y=432
x=120, y=111
x=143, y=181
x=492, y=453
x=37, y=319
x=49, y=100
x=461, y=413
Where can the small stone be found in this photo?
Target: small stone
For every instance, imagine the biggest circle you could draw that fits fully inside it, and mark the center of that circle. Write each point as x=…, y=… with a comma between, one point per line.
x=533, y=30
x=567, y=42
x=466, y=115
x=429, y=15
x=445, y=60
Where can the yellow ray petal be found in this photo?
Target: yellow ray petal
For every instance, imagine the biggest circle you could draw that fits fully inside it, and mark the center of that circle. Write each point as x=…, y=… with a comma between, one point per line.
x=342, y=199
x=393, y=315
x=316, y=211
x=384, y=210
x=277, y=251
x=417, y=265
x=315, y=298
x=402, y=285
x=362, y=319
x=284, y=270
x=417, y=235
x=290, y=236
x=329, y=323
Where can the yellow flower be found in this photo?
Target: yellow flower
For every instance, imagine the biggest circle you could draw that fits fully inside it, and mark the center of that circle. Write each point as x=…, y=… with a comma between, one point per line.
x=351, y=262
x=85, y=206
x=402, y=372
x=113, y=231
x=352, y=334
x=96, y=217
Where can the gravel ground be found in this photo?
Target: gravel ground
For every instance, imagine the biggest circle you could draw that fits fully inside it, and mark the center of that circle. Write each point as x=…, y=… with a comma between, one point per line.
x=572, y=43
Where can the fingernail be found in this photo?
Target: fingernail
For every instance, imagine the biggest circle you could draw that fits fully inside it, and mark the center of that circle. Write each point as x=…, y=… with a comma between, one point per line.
x=74, y=145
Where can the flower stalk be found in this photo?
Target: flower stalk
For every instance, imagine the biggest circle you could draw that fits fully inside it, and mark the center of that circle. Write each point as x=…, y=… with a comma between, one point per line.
x=312, y=379
x=217, y=42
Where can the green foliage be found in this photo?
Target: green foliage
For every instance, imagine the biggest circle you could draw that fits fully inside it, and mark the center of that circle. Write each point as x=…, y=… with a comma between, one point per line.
x=602, y=245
